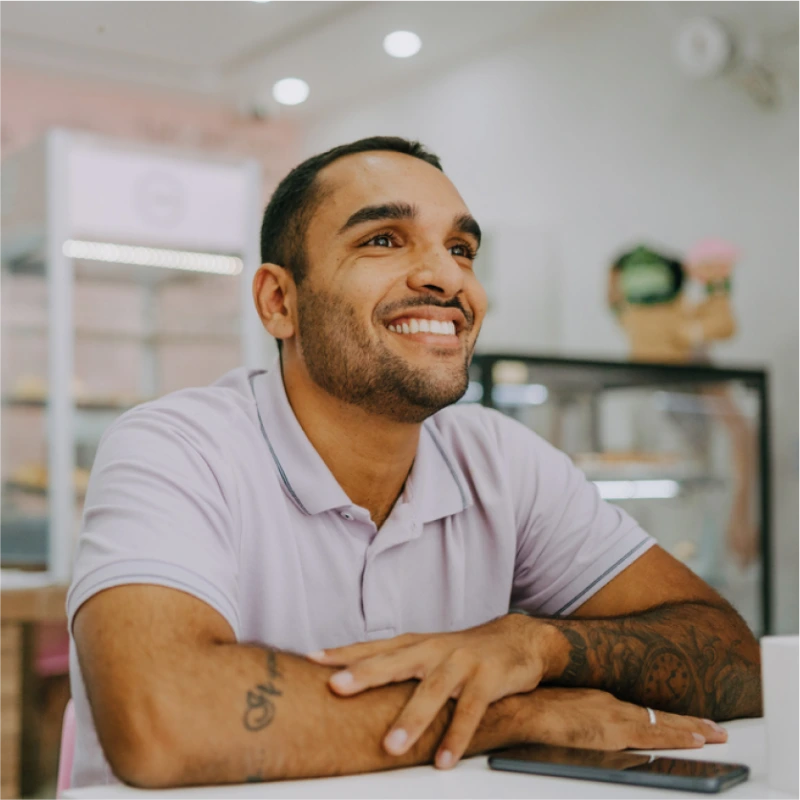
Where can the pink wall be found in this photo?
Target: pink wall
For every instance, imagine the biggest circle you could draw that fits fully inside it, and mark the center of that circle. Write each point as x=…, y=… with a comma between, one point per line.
x=33, y=101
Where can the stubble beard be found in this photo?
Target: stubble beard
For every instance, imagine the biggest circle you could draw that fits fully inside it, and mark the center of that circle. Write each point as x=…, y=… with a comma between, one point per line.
x=343, y=361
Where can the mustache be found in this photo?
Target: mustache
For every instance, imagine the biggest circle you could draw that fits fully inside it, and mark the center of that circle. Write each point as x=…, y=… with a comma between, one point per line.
x=420, y=302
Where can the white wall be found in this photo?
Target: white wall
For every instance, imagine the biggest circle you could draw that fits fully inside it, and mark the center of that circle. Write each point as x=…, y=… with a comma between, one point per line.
x=585, y=137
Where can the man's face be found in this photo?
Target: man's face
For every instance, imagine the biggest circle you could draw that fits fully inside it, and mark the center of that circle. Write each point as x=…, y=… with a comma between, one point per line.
x=390, y=309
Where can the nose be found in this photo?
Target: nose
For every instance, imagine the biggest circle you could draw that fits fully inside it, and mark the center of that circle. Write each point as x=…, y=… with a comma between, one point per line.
x=438, y=272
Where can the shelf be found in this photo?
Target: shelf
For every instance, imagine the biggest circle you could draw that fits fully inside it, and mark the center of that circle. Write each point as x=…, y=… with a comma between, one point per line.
x=38, y=491
x=182, y=337
x=584, y=375
x=90, y=404
x=31, y=263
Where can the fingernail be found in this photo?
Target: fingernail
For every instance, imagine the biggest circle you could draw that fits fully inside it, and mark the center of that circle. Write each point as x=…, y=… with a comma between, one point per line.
x=698, y=738
x=717, y=728
x=316, y=655
x=445, y=759
x=395, y=741
x=344, y=680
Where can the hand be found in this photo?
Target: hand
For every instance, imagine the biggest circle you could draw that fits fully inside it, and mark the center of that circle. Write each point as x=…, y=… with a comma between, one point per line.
x=509, y=655
x=597, y=720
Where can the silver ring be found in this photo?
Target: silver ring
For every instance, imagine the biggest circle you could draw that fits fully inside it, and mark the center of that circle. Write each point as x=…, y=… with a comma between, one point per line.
x=652, y=715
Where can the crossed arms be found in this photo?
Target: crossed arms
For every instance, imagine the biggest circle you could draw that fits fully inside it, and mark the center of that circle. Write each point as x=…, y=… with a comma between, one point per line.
x=177, y=701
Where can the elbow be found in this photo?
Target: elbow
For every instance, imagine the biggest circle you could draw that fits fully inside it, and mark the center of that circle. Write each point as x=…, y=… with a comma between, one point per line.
x=145, y=765
x=140, y=755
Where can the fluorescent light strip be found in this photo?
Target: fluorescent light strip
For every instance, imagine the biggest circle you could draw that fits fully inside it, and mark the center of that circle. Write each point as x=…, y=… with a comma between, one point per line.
x=637, y=490
x=152, y=257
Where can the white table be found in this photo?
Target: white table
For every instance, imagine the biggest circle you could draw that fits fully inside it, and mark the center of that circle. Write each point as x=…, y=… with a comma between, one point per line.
x=472, y=778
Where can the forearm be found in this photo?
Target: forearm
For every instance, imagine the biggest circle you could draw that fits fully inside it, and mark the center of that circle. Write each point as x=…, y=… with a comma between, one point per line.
x=688, y=658
x=253, y=714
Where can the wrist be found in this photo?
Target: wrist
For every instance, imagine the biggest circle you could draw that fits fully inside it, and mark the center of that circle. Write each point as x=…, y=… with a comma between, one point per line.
x=543, y=641
x=558, y=654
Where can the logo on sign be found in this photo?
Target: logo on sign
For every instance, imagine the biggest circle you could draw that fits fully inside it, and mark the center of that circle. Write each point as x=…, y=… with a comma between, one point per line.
x=160, y=199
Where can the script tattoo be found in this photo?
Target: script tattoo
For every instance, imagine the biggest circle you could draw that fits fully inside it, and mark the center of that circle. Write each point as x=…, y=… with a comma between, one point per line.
x=688, y=658
x=260, y=709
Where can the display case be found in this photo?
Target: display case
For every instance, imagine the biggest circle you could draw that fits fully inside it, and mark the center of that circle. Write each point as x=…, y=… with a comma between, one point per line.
x=683, y=449
x=126, y=274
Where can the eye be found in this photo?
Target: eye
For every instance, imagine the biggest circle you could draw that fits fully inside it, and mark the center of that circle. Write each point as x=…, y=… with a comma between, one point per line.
x=381, y=240
x=466, y=251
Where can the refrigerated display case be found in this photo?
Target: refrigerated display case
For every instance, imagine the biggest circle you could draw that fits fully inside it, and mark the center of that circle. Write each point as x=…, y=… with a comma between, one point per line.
x=683, y=449
x=126, y=270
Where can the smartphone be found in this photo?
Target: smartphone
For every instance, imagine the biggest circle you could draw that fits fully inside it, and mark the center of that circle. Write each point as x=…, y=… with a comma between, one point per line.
x=620, y=767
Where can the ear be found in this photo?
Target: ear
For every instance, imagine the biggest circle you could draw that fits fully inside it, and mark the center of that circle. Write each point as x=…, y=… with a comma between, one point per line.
x=274, y=293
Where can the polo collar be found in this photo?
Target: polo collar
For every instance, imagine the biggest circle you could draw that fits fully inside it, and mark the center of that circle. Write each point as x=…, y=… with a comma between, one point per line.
x=436, y=486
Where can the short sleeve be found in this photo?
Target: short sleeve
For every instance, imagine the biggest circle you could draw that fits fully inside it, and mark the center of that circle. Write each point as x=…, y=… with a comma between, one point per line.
x=158, y=511
x=570, y=542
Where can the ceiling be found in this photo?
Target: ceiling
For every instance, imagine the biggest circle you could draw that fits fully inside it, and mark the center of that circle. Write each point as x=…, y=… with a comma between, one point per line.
x=235, y=50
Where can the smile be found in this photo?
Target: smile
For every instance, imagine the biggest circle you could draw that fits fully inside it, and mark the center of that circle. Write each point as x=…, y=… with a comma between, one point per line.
x=434, y=326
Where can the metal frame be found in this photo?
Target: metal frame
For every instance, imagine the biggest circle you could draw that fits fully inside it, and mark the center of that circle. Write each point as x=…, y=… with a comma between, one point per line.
x=654, y=374
x=60, y=276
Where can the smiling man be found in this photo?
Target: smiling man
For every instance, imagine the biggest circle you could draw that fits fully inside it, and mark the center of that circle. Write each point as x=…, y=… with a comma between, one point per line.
x=315, y=569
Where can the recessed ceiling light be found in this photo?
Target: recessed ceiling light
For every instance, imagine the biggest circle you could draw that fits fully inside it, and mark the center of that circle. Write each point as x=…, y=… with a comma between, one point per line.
x=402, y=44
x=290, y=91
x=261, y=1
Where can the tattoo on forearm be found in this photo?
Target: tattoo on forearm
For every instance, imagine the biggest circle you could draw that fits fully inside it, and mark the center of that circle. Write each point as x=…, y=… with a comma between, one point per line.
x=260, y=709
x=688, y=658
x=255, y=766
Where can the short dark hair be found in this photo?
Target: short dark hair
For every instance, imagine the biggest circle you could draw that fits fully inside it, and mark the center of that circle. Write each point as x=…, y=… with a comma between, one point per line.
x=291, y=206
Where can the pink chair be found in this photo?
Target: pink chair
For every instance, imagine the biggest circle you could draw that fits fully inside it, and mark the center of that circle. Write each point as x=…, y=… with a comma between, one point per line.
x=67, y=753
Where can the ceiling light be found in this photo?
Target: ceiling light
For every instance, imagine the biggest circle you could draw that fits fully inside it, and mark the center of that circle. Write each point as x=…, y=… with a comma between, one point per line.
x=152, y=257
x=402, y=44
x=290, y=91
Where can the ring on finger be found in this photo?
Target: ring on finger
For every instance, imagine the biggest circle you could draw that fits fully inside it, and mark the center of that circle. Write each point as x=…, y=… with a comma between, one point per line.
x=652, y=715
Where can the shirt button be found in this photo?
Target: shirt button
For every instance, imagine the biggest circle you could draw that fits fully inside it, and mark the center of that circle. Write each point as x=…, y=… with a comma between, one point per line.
x=345, y=515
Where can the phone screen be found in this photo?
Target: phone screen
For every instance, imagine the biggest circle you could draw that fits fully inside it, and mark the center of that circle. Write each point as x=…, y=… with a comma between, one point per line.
x=610, y=766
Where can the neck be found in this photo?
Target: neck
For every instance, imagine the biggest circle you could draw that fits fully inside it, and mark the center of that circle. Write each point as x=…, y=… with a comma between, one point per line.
x=370, y=456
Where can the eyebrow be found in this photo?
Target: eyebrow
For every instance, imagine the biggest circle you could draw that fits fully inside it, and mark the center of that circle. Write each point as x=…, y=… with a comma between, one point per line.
x=375, y=213
x=463, y=223
x=466, y=223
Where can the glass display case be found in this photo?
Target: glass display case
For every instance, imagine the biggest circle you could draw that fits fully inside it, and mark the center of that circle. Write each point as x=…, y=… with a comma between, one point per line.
x=683, y=449
x=125, y=273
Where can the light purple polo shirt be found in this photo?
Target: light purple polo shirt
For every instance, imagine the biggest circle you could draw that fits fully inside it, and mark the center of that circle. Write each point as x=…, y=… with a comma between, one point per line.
x=218, y=492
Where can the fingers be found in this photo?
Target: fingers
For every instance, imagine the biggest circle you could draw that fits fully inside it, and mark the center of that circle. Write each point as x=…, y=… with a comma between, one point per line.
x=674, y=732
x=342, y=656
x=423, y=707
x=393, y=667
x=469, y=712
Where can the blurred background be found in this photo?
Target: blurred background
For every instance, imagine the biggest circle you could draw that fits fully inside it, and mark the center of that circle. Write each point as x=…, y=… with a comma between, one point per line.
x=634, y=167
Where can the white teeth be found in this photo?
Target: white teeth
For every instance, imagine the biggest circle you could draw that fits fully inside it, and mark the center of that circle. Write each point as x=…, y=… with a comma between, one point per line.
x=425, y=326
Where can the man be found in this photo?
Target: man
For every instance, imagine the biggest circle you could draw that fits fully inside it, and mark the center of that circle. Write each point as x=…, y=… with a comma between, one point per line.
x=338, y=503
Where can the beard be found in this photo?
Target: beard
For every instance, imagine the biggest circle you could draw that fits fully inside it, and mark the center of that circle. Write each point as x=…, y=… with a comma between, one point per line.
x=344, y=361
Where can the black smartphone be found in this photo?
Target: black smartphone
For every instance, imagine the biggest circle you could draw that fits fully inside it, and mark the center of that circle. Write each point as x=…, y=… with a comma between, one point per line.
x=620, y=767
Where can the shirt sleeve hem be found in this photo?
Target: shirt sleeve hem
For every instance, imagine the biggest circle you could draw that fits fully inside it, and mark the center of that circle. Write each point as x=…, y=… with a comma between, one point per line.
x=598, y=574
x=159, y=573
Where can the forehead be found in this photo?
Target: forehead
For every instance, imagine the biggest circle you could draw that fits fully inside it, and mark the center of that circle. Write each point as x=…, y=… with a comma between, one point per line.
x=380, y=177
